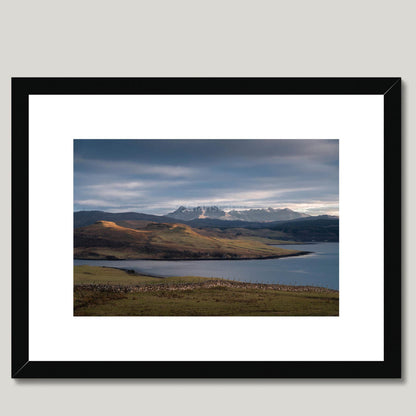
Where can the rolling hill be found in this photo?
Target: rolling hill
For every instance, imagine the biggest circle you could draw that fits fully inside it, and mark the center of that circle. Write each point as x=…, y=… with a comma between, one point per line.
x=83, y=218
x=152, y=240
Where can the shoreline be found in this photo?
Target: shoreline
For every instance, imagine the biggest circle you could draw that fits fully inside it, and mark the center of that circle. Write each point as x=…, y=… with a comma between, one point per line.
x=300, y=253
x=237, y=283
x=209, y=281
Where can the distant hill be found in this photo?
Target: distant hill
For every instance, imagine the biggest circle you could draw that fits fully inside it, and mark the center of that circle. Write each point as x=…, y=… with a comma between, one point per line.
x=316, y=217
x=217, y=223
x=107, y=240
x=83, y=218
x=251, y=215
x=320, y=229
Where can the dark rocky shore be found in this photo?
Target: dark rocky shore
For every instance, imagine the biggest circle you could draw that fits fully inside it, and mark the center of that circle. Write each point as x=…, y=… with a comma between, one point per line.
x=206, y=285
x=277, y=256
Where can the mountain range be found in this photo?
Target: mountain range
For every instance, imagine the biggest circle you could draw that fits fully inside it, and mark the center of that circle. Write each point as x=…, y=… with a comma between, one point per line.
x=251, y=215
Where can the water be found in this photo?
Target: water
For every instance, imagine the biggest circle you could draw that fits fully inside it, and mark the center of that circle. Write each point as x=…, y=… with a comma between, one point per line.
x=321, y=268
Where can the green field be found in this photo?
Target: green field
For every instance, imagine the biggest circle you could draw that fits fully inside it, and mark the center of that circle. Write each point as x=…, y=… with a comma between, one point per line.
x=100, y=291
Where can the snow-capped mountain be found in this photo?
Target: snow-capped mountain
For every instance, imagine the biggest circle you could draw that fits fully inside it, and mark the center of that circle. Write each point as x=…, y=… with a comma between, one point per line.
x=266, y=215
x=255, y=215
x=188, y=214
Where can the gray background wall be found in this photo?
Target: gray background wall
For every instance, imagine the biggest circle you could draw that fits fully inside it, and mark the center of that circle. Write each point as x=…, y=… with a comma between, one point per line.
x=209, y=38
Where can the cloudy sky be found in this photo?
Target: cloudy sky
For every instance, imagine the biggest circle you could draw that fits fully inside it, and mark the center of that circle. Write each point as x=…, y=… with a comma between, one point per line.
x=157, y=176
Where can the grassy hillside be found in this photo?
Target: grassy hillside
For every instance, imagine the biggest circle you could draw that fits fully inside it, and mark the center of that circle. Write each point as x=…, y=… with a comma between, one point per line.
x=108, y=240
x=102, y=291
x=291, y=232
x=96, y=275
x=265, y=236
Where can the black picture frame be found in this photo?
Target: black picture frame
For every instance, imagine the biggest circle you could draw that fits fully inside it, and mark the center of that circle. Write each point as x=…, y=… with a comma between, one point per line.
x=390, y=367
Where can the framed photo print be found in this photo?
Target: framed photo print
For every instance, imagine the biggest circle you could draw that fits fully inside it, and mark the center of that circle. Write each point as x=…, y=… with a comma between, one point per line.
x=206, y=227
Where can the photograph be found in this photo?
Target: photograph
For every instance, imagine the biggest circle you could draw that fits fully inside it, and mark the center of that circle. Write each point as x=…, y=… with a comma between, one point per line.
x=206, y=227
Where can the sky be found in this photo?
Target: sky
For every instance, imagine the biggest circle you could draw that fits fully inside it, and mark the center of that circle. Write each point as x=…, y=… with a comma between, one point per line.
x=158, y=176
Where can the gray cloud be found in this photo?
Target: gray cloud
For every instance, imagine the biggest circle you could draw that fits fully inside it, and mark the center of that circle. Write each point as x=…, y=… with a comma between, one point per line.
x=155, y=176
